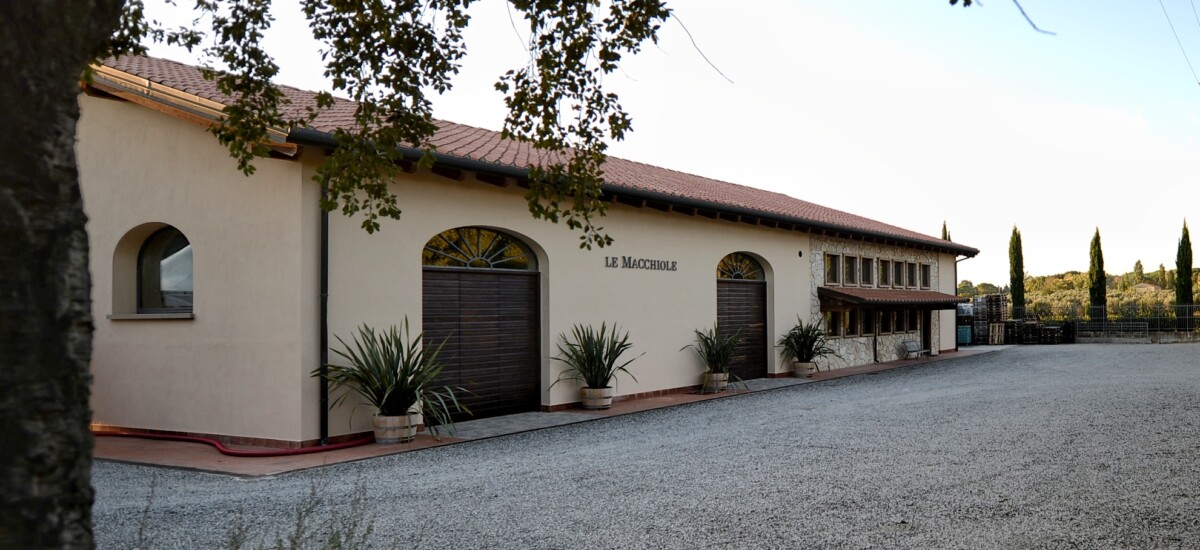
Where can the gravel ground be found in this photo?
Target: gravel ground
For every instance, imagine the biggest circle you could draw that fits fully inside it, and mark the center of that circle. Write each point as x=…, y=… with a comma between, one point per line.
x=1093, y=446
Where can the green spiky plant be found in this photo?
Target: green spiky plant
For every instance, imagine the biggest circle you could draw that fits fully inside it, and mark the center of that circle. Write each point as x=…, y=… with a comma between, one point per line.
x=715, y=348
x=593, y=356
x=395, y=374
x=805, y=343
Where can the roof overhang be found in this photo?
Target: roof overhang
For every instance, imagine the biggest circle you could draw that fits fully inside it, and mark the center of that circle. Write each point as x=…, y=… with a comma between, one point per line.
x=837, y=298
x=318, y=138
x=116, y=83
x=167, y=100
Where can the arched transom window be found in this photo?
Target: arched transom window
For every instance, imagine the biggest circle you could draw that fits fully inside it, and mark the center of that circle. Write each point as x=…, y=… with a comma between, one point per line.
x=739, y=266
x=165, y=273
x=477, y=248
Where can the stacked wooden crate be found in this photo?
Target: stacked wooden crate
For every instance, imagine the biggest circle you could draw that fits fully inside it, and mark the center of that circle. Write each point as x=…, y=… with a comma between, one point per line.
x=980, y=328
x=990, y=313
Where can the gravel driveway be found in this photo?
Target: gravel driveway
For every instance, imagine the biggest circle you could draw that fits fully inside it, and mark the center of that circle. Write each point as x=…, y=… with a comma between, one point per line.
x=1092, y=446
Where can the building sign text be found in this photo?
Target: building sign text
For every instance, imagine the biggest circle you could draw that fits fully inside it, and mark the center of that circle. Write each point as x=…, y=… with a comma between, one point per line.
x=629, y=262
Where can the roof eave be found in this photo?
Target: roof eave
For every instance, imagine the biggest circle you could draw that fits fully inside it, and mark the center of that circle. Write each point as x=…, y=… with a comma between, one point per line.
x=309, y=136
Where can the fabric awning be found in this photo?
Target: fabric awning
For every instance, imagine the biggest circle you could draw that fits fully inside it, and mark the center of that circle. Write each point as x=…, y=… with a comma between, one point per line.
x=849, y=296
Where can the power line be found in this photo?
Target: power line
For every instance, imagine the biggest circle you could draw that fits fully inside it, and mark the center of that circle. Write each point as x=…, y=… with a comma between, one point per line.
x=697, y=46
x=1031, y=23
x=1178, y=41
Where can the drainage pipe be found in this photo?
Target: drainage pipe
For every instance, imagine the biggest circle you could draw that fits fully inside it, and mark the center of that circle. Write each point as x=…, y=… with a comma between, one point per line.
x=323, y=368
x=234, y=452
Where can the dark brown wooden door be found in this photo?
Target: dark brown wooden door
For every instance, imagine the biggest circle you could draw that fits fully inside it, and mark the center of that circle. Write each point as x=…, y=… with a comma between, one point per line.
x=489, y=320
x=742, y=305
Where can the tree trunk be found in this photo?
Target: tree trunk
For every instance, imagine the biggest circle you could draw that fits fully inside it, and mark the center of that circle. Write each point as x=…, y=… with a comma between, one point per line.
x=45, y=303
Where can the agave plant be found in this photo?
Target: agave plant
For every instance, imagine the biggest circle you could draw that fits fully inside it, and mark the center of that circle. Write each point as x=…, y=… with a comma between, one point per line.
x=593, y=356
x=805, y=343
x=715, y=348
x=395, y=374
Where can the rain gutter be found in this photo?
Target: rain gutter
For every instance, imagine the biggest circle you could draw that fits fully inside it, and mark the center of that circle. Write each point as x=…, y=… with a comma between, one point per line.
x=317, y=138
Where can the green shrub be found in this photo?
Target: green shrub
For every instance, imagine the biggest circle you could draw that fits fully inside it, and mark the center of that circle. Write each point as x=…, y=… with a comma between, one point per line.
x=716, y=349
x=804, y=343
x=395, y=374
x=592, y=355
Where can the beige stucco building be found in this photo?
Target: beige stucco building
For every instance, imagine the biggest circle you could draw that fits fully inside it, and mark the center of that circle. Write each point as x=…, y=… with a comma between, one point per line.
x=208, y=285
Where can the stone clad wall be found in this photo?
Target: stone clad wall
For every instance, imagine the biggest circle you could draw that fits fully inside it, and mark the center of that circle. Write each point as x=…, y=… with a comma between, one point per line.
x=860, y=350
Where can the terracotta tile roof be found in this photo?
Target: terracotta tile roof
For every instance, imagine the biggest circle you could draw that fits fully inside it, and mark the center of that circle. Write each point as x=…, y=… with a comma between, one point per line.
x=889, y=297
x=467, y=142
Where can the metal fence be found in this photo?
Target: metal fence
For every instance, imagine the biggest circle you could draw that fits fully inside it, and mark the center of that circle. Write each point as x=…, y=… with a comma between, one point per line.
x=992, y=320
x=1131, y=319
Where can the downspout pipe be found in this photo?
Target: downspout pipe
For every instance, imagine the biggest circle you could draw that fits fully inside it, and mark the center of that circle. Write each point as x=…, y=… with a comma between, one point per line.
x=323, y=368
x=875, y=337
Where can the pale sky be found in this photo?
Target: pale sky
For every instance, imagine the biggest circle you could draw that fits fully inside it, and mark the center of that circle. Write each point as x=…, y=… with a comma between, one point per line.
x=910, y=113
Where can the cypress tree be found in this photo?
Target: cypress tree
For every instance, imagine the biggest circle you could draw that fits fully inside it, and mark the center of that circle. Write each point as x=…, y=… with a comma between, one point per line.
x=945, y=232
x=1016, y=272
x=1097, y=280
x=1183, y=280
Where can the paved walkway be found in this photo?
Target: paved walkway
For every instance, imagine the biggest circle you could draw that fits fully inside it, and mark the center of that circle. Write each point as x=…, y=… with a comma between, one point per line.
x=198, y=456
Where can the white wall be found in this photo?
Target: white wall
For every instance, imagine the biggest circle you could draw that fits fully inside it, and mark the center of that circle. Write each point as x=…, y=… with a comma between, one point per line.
x=377, y=278
x=240, y=367
x=948, y=283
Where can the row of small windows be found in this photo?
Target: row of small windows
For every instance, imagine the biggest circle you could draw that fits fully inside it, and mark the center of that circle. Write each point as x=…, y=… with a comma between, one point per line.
x=870, y=321
x=860, y=271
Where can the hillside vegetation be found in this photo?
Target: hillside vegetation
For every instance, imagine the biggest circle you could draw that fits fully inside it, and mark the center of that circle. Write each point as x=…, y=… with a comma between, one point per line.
x=1049, y=294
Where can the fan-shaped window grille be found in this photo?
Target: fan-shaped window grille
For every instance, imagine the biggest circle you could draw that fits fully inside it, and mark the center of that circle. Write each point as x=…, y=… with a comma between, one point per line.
x=477, y=248
x=739, y=266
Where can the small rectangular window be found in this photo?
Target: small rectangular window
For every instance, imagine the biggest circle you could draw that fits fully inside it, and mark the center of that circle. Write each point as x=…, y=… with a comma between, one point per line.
x=885, y=273
x=833, y=323
x=885, y=322
x=901, y=322
x=912, y=275
x=852, y=322
x=868, y=272
x=926, y=275
x=868, y=322
x=833, y=267
x=851, y=271
x=898, y=274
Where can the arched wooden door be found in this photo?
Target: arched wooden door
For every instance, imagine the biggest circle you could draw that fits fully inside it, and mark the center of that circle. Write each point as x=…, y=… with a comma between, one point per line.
x=481, y=296
x=742, y=307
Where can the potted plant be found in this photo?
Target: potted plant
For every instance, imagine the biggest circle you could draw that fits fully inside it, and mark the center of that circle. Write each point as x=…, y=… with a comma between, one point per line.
x=802, y=345
x=593, y=358
x=395, y=375
x=716, y=350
